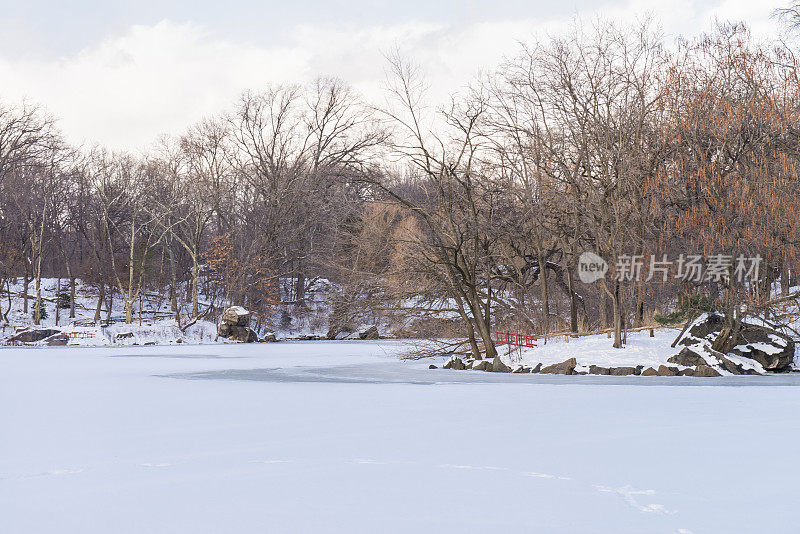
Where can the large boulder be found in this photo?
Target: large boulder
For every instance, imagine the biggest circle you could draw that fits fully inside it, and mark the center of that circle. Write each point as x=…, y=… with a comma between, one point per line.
x=481, y=365
x=235, y=325
x=33, y=336
x=370, y=333
x=454, y=363
x=224, y=329
x=236, y=316
x=687, y=357
x=732, y=367
x=499, y=367
x=243, y=334
x=597, y=370
x=704, y=328
x=773, y=350
x=564, y=368
x=664, y=370
x=706, y=371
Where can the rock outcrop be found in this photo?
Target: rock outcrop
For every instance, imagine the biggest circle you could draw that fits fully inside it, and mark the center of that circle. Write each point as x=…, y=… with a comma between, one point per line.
x=235, y=324
x=772, y=350
x=370, y=333
x=33, y=335
x=564, y=368
x=499, y=367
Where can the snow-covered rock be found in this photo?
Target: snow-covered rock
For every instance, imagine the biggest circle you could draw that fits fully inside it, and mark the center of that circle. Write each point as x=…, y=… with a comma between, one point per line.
x=761, y=348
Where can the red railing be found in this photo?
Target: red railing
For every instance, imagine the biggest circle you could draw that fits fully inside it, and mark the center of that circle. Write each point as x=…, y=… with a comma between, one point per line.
x=521, y=340
x=80, y=335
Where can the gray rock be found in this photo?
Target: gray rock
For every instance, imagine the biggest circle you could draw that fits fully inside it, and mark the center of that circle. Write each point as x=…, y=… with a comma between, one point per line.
x=649, y=372
x=664, y=370
x=597, y=370
x=772, y=349
x=224, y=330
x=481, y=365
x=753, y=339
x=686, y=372
x=705, y=371
x=269, y=338
x=537, y=368
x=431, y=366
x=236, y=316
x=499, y=367
x=455, y=363
x=370, y=333
x=242, y=334
x=32, y=336
x=706, y=330
x=623, y=371
x=563, y=368
x=730, y=366
x=521, y=369
x=687, y=357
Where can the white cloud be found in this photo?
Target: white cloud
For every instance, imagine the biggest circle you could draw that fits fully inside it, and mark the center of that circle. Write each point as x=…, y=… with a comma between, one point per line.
x=129, y=88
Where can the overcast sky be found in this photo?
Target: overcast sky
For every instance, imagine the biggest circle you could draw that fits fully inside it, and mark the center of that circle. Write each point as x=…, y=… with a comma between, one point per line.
x=121, y=73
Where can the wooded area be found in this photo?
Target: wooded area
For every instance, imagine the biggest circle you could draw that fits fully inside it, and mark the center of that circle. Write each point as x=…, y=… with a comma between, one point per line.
x=604, y=139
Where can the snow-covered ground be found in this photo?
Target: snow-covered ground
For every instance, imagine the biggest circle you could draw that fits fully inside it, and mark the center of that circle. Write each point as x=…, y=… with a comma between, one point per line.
x=345, y=437
x=641, y=349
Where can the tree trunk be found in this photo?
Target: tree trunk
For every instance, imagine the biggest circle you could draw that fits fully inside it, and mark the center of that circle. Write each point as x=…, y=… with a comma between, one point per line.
x=37, y=311
x=784, y=278
x=195, y=278
x=100, y=298
x=729, y=335
x=71, y=290
x=616, y=307
x=481, y=325
x=110, y=304
x=573, y=304
x=545, y=297
x=300, y=292
x=71, y=297
x=25, y=283
x=58, y=300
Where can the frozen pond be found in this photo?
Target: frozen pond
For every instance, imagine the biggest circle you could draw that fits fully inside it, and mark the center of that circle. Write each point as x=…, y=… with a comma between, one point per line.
x=344, y=437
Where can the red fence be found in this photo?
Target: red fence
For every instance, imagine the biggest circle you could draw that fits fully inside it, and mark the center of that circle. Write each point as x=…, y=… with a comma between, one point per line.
x=80, y=335
x=507, y=338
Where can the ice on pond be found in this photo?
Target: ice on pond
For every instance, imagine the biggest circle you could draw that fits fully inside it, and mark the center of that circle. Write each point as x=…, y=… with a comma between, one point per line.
x=344, y=436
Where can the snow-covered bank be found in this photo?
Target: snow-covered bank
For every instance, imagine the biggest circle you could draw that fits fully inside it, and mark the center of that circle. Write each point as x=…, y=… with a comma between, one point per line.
x=338, y=437
x=641, y=350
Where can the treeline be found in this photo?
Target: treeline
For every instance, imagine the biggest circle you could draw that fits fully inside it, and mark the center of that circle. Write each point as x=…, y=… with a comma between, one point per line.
x=602, y=140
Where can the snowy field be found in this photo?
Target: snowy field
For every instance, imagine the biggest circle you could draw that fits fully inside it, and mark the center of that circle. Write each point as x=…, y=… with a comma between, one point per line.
x=344, y=437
